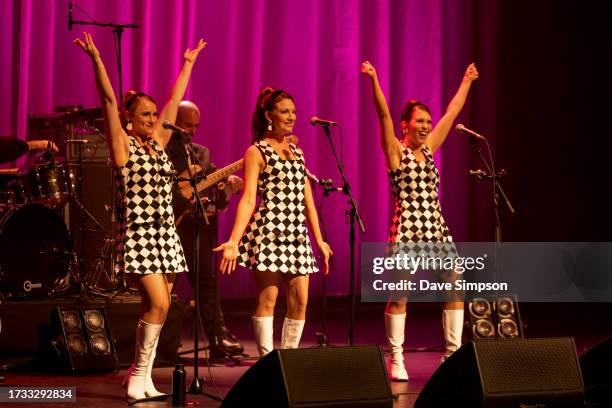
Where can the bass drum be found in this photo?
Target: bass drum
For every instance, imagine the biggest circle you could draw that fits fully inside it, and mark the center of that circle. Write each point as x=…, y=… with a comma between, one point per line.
x=34, y=243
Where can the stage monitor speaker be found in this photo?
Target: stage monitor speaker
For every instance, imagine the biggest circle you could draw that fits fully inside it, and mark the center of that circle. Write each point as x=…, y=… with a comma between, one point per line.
x=496, y=317
x=507, y=373
x=83, y=340
x=315, y=377
x=595, y=364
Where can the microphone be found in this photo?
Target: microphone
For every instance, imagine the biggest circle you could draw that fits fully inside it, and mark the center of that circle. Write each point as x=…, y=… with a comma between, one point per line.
x=314, y=121
x=165, y=173
x=321, y=182
x=471, y=133
x=171, y=126
x=70, y=16
x=172, y=175
x=480, y=174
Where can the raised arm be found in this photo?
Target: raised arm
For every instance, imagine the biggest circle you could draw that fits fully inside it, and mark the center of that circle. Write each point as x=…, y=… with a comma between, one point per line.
x=161, y=135
x=313, y=220
x=253, y=165
x=389, y=142
x=440, y=132
x=116, y=138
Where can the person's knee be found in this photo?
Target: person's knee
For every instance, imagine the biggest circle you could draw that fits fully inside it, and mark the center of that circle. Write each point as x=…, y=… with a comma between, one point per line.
x=396, y=307
x=297, y=303
x=266, y=302
x=159, y=307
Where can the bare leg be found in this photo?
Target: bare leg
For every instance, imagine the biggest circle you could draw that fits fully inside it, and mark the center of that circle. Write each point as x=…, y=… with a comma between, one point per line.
x=297, y=295
x=267, y=292
x=155, y=291
x=263, y=318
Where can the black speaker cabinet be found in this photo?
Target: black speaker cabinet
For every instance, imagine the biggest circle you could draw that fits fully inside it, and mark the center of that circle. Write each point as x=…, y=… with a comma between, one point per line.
x=595, y=364
x=507, y=373
x=315, y=377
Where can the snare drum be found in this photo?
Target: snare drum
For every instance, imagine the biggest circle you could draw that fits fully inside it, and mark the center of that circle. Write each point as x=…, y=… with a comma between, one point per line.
x=34, y=243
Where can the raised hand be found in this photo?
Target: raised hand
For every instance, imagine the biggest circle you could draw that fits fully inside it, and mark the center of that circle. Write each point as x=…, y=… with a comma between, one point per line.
x=230, y=253
x=191, y=55
x=368, y=69
x=471, y=73
x=88, y=46
x=327, y=252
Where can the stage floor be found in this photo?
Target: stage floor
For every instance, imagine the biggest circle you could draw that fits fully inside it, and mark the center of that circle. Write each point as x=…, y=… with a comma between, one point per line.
x=422, y=356
x=104, y=390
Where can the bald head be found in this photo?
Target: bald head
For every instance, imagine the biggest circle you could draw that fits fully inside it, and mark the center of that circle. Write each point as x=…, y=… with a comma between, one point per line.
x=188, y=117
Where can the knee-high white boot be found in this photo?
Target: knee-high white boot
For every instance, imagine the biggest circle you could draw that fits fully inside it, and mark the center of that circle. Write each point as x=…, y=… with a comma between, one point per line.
x=452, y=324
x=395, y=325
x=149, y=387
x=263, y=326
x=147, y=335
x=292, y=333
x=150, y=390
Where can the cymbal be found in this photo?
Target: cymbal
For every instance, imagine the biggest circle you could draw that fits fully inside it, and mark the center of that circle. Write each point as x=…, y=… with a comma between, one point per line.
x=83, y=115
x=11, y=148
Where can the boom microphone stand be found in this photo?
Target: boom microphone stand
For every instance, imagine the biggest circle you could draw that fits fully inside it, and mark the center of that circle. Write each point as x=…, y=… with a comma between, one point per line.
x=352, y=214
x=117, y=33
x=197, y=383
x=491, y=174
x=118, y=30
x=322, y=339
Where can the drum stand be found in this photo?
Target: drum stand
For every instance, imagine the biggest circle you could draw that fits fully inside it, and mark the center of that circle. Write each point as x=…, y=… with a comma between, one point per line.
x=88, y=284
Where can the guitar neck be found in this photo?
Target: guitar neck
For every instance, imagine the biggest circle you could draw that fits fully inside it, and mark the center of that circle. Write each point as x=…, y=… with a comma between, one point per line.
x=219, y=175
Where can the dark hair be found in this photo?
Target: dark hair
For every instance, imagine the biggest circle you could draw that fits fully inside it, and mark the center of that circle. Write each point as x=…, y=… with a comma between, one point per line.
x=131, y=98
x=268, y=97
x=411, y=104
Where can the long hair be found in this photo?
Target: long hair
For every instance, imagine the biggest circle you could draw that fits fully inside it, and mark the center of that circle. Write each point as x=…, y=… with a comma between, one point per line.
x=268, y=97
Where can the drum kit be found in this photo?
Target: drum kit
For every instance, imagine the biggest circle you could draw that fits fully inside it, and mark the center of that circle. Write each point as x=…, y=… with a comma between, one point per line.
x=40, y=255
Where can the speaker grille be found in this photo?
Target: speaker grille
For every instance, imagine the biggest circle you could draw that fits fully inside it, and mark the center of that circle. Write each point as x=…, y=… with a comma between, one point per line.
x=537, y=365
x=345, y=373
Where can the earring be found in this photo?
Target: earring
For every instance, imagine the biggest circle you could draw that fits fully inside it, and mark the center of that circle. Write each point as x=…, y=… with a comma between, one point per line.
x=269, y=125
x=128, y=126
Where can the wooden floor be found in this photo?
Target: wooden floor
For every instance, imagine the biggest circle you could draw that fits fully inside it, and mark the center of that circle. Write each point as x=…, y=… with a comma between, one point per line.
x=104, y=390
x=424, y=342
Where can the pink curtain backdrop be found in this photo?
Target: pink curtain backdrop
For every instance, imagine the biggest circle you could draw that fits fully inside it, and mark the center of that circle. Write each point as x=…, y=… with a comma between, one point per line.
x=311, y=48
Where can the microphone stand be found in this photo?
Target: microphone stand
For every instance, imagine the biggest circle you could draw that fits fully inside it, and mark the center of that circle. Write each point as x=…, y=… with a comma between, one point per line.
x=353, y=214
x=197, y=383
x=117, y=33
x=118, y=30
x=322, y=339
x=493, y=175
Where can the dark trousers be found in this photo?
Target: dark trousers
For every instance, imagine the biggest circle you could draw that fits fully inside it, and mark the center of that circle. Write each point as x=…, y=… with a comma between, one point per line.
x=207, y=284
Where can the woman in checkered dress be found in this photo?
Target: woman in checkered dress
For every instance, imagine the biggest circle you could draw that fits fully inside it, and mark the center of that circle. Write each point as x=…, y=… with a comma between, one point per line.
x=275, y=244
x=417, y=216
x=148, y=248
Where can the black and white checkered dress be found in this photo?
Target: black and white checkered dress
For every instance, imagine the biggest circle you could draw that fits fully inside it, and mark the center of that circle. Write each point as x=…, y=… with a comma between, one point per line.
x=417, y=214
x=146, y=240
x=276, y=239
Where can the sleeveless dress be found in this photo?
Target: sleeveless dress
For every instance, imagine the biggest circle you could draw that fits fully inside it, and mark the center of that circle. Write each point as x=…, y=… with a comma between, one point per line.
x=417, y=216
x=276, y=238
x=146, y=240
